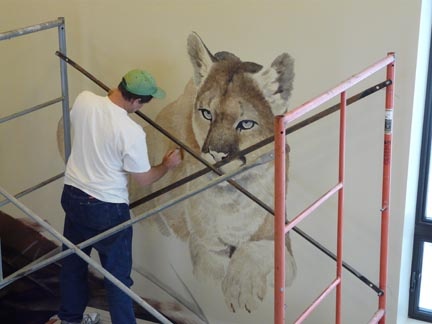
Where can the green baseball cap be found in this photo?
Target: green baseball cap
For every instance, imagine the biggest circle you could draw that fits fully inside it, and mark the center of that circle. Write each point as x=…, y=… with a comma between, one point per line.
x=141, y=83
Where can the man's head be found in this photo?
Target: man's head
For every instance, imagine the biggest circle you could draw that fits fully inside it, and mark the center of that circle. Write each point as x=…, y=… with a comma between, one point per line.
x=139, y=84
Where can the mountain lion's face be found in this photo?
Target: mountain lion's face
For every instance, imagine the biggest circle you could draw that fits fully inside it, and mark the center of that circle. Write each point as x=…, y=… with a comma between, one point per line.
x=230, y=113
x=236, y=101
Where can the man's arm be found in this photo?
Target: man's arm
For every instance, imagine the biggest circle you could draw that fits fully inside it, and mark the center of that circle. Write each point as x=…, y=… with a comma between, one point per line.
x=171, y=159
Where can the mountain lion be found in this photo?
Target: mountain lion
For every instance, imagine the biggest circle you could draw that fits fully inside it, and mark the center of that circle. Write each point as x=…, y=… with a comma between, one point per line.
x=229, y=105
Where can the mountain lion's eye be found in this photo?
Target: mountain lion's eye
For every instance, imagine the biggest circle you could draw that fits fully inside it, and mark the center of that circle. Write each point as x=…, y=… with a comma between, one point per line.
x=206, y=113
x=246, y=124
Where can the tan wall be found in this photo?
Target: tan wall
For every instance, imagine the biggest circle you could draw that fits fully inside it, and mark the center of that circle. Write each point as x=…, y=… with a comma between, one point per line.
x=330, y=41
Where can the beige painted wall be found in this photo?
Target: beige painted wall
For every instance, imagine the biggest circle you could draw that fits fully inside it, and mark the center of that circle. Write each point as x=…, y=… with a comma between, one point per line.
x=330, y=41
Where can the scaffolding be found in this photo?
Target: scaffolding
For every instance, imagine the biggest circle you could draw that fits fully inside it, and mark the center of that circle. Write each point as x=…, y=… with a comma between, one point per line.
x=9, y=198
x=281, y=228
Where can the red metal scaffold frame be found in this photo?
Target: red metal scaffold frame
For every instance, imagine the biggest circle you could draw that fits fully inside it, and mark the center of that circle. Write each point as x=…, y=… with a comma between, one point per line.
x=280, y=195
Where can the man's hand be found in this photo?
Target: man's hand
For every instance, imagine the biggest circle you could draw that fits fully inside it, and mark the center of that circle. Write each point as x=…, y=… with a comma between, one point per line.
x=172, y=158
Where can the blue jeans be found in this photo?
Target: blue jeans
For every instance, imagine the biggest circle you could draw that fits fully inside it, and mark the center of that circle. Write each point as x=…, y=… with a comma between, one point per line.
x=86, y=217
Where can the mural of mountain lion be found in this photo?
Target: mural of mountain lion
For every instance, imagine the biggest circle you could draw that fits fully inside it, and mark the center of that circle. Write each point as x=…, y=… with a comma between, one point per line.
x=229, y=105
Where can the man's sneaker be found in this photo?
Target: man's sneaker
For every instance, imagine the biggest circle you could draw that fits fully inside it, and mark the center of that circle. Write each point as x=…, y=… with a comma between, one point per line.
x=90, y=318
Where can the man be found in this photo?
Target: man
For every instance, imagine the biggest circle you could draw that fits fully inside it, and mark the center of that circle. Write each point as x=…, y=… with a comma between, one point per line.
x=107, y=147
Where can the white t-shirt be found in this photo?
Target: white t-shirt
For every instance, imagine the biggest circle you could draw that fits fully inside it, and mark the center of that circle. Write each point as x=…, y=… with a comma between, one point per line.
x=107, y=144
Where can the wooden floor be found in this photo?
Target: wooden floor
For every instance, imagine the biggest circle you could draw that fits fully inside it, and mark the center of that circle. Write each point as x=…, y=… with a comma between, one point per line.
x=104, y=317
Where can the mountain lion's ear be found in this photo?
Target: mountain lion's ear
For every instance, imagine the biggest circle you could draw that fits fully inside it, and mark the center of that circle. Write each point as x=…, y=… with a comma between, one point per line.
x=276, y=82
x=251, y=67
x=202, y=59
